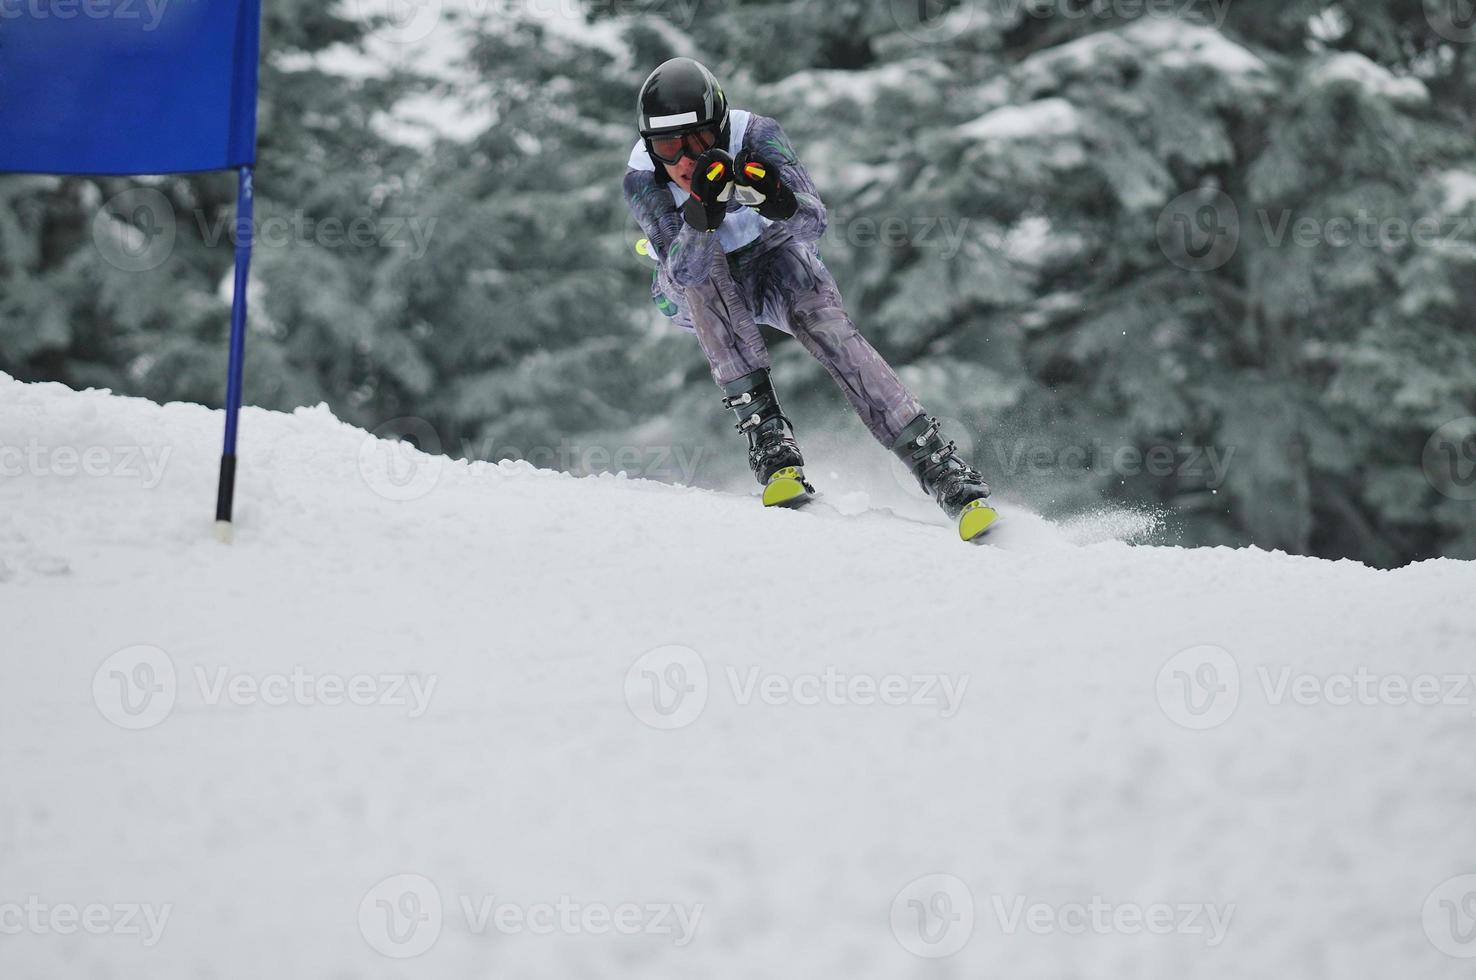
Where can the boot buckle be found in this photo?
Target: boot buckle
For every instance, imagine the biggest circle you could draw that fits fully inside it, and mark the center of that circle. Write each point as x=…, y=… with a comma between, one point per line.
x=933, y=426
x=944, y=453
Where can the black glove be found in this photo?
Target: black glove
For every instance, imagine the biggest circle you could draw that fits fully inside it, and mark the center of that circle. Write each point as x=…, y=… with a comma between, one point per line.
x=762, y=177
x=711, y=188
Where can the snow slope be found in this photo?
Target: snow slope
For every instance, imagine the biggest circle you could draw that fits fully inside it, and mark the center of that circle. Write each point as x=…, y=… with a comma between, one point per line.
x=607, y=727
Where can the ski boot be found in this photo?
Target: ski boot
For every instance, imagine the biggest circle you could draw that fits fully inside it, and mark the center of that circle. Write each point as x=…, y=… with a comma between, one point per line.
x=773, y=454
x=956, y=486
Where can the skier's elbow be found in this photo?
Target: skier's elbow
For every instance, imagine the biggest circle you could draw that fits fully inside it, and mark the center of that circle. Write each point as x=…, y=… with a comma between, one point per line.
x=821, y=220
x=810, y=221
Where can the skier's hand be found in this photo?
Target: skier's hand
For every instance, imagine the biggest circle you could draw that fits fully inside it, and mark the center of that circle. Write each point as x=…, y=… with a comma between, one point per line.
x=761, y=177
x=712, y=182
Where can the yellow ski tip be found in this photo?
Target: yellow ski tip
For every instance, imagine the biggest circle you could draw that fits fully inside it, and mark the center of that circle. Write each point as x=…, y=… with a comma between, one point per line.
x=643, y=247
x=976, y=518
x=787, y=486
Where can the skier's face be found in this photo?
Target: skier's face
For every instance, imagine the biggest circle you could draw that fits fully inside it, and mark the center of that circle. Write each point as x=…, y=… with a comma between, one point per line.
x=681, y=172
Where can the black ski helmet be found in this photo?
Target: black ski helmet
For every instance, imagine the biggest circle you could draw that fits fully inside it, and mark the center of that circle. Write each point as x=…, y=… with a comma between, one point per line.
x=680, y=96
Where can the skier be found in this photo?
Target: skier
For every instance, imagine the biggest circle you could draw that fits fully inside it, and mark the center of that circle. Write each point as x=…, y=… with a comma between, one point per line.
x=732, y=221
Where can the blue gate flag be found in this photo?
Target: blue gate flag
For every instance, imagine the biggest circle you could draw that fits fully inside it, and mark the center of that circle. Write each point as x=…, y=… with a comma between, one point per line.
x=127, y=87
x=117, y=87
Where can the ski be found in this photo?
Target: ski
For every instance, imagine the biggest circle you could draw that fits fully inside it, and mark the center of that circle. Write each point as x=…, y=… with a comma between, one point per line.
x=976, y=520
x=788, y=488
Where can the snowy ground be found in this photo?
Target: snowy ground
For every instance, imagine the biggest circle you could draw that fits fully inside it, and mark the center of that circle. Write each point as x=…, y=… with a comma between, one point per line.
x=521, y=725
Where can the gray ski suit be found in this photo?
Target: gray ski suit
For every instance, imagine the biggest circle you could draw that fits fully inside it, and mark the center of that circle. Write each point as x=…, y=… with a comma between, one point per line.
x=721, y=285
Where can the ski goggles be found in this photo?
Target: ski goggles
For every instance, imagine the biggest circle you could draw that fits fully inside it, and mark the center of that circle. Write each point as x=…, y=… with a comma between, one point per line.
x=671, y=149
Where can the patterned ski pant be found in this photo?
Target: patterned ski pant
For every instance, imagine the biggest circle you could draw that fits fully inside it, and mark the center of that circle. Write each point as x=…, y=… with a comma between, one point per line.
x=789, y=288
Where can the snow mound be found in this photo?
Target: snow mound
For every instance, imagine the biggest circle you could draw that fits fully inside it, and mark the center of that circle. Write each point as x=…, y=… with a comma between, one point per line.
x=1350, y=67
x=1045, y=118
x=1167, y=44
x=439, y=719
